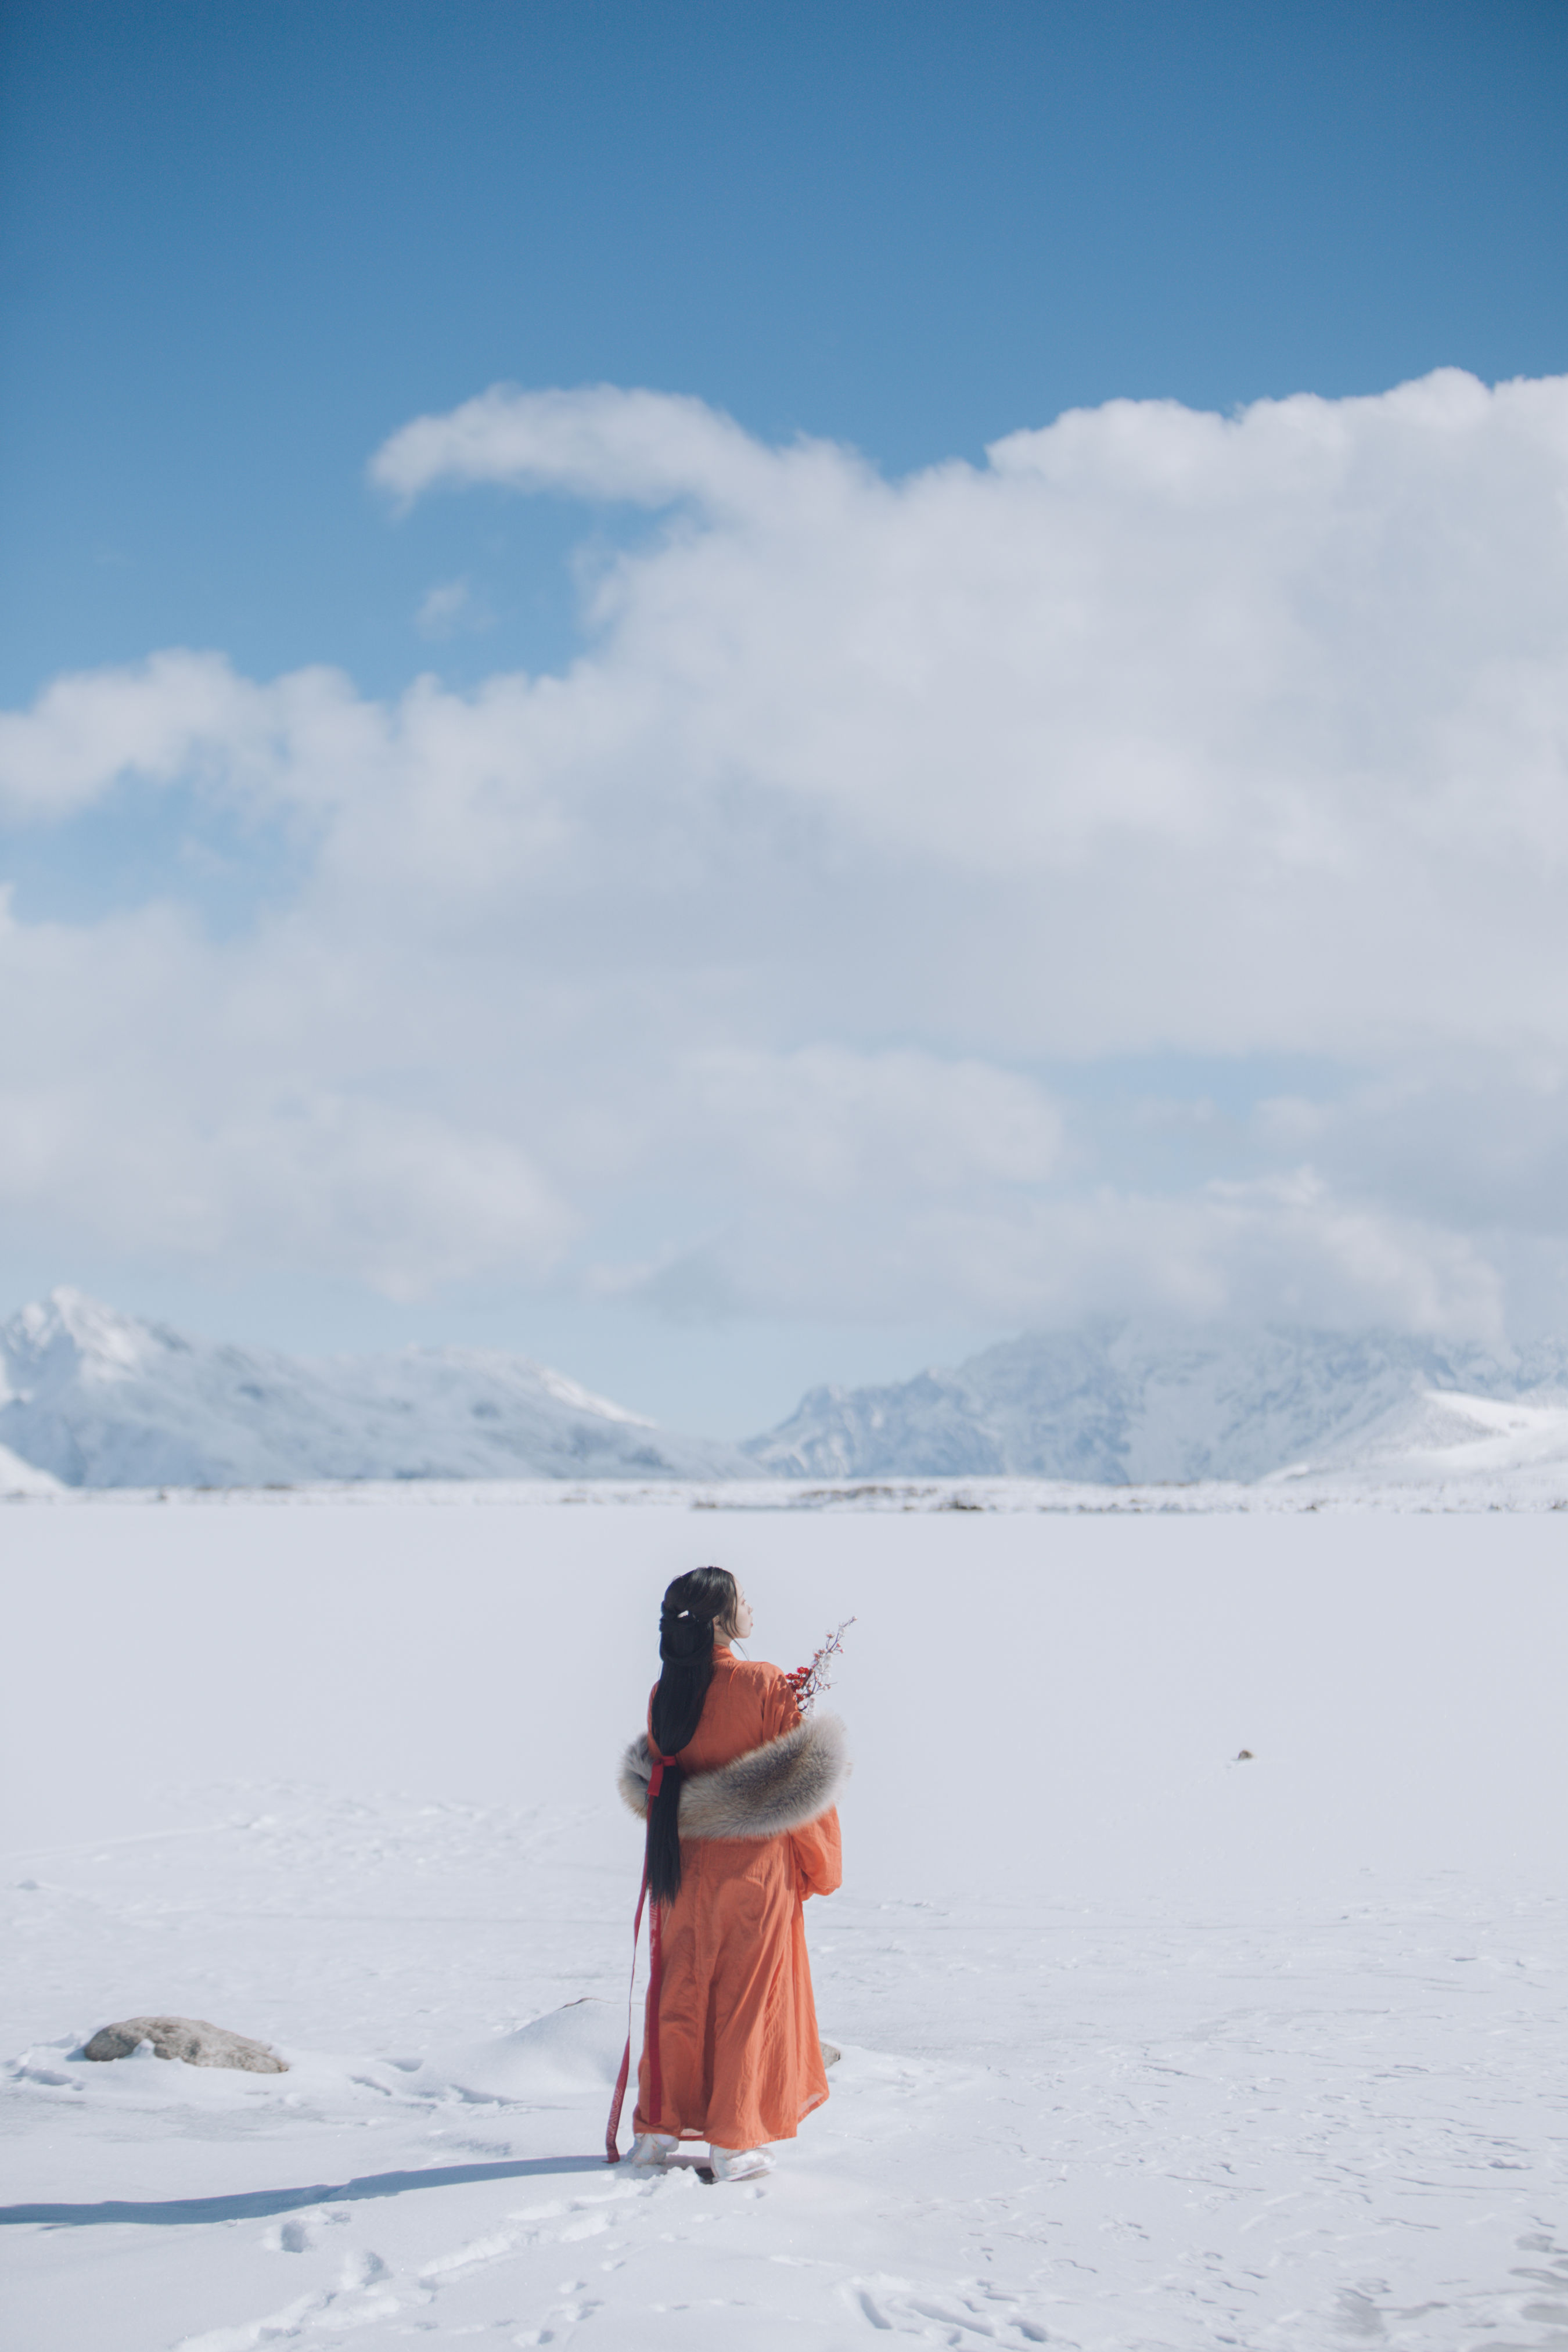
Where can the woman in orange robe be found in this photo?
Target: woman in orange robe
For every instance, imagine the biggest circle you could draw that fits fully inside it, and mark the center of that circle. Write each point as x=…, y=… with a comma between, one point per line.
x=743, y=1828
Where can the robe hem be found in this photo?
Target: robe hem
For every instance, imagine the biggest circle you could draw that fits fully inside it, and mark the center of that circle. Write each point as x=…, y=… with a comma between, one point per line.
x=700, y=2132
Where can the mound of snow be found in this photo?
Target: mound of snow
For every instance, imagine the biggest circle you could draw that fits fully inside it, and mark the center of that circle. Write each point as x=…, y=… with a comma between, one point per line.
x=574, y=2049
x=100, y=1399
x=1120, y=1404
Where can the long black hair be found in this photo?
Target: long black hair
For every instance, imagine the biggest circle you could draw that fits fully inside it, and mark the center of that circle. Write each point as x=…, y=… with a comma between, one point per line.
x=691, y=1605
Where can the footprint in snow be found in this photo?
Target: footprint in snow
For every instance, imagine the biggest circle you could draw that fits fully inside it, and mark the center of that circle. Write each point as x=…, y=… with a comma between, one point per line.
x=975, y=2313
x=362, y=2268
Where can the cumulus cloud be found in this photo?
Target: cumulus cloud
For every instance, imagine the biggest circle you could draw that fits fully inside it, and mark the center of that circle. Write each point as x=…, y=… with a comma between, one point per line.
x=1281, y=1248
x=649, y=447
x=181, y=717
x=876, y=817
x=243, y=1103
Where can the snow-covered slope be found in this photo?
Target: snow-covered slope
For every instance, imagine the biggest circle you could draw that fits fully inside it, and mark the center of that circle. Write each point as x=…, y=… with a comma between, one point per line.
x=1118, y=1403
x=19, y=1477
x=98, y=1399
x=1440, y=1435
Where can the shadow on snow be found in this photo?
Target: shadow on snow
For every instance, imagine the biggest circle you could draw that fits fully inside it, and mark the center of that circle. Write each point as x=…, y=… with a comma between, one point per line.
x=255, y=2204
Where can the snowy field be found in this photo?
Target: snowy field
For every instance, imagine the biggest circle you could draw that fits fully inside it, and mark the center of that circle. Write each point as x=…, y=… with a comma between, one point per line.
x=1144, y=2046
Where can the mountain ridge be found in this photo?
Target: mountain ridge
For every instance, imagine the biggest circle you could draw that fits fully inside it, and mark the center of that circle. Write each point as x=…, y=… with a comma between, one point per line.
x=1118, y=1403
x=100, y=1399
x=92, y=1398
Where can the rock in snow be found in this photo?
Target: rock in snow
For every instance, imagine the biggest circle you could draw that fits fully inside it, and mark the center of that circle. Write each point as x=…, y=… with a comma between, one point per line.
x=190, y=2038
x=1118, y=1403
x=98, y=1399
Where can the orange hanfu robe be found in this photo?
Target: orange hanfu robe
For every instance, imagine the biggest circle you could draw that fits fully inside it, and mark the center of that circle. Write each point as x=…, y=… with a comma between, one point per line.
x=739, y=2060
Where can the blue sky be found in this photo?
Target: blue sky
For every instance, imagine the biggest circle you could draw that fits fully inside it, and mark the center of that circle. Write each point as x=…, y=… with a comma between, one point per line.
x=248, y=241
x=247, y=246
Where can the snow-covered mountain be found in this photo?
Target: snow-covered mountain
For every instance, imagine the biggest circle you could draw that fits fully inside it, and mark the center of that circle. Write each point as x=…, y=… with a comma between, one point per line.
x=93, y=1398
x=1440, y=1436
x=19, y=1478
x=1118, y=1403
x=100, y=1399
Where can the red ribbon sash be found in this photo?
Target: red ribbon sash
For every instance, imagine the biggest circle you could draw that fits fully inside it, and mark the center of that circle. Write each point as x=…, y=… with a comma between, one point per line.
x=654, y=1986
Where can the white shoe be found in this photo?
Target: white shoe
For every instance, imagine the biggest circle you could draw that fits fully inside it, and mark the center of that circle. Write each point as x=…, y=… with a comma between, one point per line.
x=651, y=2151
x=740, y=2163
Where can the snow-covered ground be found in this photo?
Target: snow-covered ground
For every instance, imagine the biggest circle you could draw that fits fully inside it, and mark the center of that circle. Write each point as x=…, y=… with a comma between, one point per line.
x=1144, y=2045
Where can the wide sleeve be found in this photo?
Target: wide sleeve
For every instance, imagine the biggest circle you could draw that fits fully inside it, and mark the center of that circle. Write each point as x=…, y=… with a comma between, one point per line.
x=817, y=1848
x=818, y=1852
x=780, y=1712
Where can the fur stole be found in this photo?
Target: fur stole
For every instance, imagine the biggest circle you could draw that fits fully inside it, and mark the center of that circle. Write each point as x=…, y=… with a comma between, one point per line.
x=780, y=1786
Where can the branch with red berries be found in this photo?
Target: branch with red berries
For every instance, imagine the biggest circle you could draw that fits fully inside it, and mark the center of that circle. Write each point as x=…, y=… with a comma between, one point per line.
x=806, y=1682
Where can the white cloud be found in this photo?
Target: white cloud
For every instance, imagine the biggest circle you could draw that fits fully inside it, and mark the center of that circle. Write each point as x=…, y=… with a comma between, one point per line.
x=867, y=803
x=649, y=447
x=244, y=1105
x=1282, y=1248
x=449, y=608
x=833, y=1125
x=183, y=716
